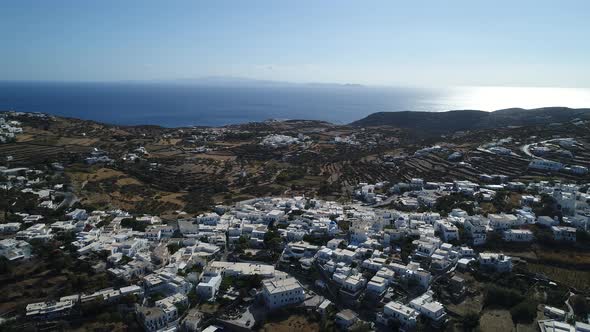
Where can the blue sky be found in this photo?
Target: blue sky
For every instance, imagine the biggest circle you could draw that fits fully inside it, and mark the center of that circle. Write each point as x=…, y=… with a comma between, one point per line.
x=432, y=43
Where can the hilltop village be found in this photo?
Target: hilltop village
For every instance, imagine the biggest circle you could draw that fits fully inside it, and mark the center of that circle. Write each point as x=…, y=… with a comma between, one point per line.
x=176, y=233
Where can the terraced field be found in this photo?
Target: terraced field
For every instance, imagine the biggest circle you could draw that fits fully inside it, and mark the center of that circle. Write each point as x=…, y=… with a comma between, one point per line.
x=350, y=173
x=582, y=154
x=31, y=154
x=495, y=164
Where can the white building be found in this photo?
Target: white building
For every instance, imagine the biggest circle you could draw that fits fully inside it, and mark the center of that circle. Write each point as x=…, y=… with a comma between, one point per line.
x=421, y=277
x=242, y=269
x=209, y=285
x=188, y=226
x=416, y=183
x=353, y=284
x=405, y=316
x=502, y=222
x=562, y=233
x=279, y=293
x=553, y=312
x=428, y=307
x=447, y=230
x=170, y=303
x=547, y=221
x=552, y=325
x=208, y=219
x=476, y=228
x=518, y=235
x=377, y=285
x=300, y=249
x=166, y=280
x=49, y=310
x=545, y=165
x=77, y=214
x=343, y=255
x=11, y=227
x=496, y=262
x=35, y=232
x=345, y=319
x=153, y=318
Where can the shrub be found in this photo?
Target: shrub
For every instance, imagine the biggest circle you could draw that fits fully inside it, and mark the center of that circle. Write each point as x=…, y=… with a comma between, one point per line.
x=501, y=296
x=524, y=312
x=470, y=321
x=173, y=248
x=580, y=305
x=555, y=297
x=138, y=226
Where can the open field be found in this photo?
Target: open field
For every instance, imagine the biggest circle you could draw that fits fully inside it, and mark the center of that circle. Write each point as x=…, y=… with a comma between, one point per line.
x=294, y=323
x=36, y=280
x=496, y=321
x=28, y=153
x=101, y=186
x=239, y=166
x=570, y=277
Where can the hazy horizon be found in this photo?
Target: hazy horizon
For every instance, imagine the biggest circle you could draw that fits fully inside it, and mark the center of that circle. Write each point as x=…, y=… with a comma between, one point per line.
x=185, y=104
x=235, y=80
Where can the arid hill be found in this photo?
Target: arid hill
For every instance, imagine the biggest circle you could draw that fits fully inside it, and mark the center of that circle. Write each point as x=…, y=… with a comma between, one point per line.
x=440, y=122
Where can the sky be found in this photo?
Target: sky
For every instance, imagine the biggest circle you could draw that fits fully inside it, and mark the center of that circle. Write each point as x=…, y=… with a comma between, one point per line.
x=401, y=43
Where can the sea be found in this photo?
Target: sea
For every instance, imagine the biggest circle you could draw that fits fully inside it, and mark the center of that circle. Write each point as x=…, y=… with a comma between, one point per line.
x=174, y=104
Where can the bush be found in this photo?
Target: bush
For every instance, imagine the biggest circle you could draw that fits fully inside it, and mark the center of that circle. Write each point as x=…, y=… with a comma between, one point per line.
x=135, y=225
x=501, y=296
x=245, y=282
x=316, y=241
x=291, y=173
x=5, y=265
x=173, y=248
x=470, y=321
x=446, y=204
x=580, y=305
x=226, y=283
x=555, y=297
x=583, y=237
x=182, y=308
x=524, y=312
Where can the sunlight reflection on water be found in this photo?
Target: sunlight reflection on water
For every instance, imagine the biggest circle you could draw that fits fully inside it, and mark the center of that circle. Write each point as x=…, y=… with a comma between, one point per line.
x=495, y=98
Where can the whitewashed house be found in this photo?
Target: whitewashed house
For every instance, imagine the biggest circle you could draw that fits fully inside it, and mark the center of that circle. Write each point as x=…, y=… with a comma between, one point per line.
x=562, y=233
x=518, y=235
x=280, y=293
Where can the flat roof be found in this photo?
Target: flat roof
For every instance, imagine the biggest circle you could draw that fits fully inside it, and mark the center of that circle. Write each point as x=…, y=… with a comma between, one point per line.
x=273, y=286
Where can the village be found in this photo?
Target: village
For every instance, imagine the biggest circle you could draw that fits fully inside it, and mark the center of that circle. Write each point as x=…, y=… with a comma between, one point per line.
x=352, y=264
x=471, y=249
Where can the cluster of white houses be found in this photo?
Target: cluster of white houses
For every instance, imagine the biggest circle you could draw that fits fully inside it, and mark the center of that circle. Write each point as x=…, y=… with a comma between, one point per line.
x=363, y=260
x=9, y=129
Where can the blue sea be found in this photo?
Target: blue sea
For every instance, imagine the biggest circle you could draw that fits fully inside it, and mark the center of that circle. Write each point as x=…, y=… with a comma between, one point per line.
x=173, y=104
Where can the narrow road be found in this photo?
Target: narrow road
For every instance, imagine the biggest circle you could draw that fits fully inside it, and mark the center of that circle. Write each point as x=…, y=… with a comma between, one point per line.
x=526, y=149
x=69, y=199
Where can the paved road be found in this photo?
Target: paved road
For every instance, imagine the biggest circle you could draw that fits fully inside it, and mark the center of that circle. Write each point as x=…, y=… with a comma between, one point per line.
x=527, y=147
x=69, y=199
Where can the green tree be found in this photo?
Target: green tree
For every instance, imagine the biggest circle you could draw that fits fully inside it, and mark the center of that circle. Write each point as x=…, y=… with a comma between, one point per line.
x=173, y=247
x=501, y=296
x=470, y=321
x=226, y=283
x=139, y=226
x=182, y=308
x=580, y=305
x=524, y=312
x=583, y=237
x=193, y=297
x=5, y=265
x=361, y=327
